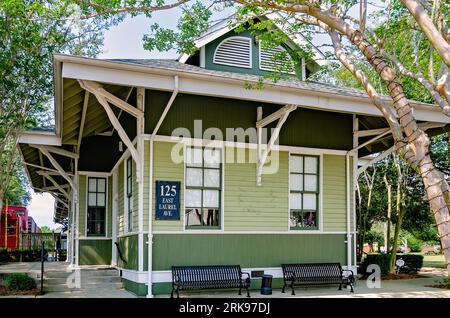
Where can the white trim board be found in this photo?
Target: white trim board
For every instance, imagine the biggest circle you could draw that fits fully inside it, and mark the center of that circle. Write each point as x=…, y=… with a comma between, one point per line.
x=219, y=85
x=231, y=144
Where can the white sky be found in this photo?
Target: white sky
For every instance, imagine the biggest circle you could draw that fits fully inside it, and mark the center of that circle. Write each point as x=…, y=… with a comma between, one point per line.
x=121, y=41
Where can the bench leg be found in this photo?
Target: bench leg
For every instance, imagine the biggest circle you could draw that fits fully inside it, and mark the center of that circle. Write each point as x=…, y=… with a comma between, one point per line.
x=292, y=287
x=248, y=292
x=340, y=286
x=240, y=291
x=284, y=287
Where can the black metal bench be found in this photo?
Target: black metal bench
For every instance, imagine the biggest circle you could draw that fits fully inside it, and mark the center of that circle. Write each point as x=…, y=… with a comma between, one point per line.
x=208, y=277
x=316, y=274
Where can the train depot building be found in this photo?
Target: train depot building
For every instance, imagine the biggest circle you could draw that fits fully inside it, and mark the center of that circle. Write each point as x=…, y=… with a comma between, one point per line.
x=159, y=163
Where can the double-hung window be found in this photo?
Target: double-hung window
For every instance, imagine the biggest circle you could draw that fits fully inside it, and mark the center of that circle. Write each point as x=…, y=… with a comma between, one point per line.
x=304, y=192
x=129, y=194
x=203, y=187
x=96, y=213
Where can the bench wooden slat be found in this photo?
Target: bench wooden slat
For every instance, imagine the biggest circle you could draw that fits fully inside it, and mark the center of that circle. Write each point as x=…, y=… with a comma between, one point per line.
x=315, y=274
x=208, y=277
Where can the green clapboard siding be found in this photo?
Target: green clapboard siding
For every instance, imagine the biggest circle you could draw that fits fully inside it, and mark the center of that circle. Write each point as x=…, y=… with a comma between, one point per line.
x=248, y=250
x=128, y=245
x=334, y=197
x=82, y=204
x=95, y=252
x=135, y=199
x=334, y=193
x=146, y=184
x=120, y=212
x=252, y=208
x=165, y=169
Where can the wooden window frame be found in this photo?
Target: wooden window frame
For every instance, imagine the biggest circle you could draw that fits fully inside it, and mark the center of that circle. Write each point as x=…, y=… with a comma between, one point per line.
x=203, y=188
x=129, y=192
x=303, y=211
x=88, y=221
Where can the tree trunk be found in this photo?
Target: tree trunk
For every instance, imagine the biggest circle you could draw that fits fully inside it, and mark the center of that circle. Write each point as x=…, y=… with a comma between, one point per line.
x=389, y=211
x=415, y=151
x=398, y=227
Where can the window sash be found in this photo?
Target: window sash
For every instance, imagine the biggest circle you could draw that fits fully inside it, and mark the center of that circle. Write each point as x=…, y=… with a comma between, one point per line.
x=302, y=209
x=204, y=166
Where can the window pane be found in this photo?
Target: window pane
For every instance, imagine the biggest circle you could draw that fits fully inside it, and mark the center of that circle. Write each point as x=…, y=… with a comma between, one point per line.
x=194, y=177
x=296, y=163
x=92, y=199
x=311, y=183
x=101, y=199
x=194, y=157
x=311, y=164
x=295, y=219
x=193, y=217
x=101, y=185
x=129, y=186
x=212, y=157
x=212, y=178
x=211, y=217
x=309, y=201
x=92, y=185
x=193, y=198
x=309, y=219
x=211, y=198
x=295, y=200
x=296, y=182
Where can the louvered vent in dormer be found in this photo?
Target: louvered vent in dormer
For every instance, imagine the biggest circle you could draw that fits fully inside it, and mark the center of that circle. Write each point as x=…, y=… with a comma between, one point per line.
x=234, y=51
x=275, y=59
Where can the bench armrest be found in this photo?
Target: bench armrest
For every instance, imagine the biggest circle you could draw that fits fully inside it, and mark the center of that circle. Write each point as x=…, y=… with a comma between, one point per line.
x=348, y=270
x=248, y=276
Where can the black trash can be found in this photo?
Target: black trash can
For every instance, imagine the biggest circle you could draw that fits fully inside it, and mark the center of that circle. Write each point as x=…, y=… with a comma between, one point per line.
x=266, y=285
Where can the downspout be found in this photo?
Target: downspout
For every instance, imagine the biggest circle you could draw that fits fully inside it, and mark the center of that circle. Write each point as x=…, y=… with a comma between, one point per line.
x=150, y=219
x=349, y=235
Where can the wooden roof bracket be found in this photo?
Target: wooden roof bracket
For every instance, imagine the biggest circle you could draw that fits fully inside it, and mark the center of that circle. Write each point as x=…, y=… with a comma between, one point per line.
x=104, y=98
x=281, y=115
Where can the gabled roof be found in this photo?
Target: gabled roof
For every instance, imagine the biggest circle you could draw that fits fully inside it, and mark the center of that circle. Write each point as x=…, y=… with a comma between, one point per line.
x=231, y=23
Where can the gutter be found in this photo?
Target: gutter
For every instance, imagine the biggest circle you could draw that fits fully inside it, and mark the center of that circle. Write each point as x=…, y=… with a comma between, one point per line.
x=150, y=219
x=140, y=68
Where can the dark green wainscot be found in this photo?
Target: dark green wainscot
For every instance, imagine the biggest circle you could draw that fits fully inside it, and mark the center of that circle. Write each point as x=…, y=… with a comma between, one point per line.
x=95, y=252
x=247, y=250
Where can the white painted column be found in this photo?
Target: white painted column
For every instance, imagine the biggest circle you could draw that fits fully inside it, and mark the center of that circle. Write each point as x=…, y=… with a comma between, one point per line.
x=355, y=182
x=349, y=235
x=140, y=149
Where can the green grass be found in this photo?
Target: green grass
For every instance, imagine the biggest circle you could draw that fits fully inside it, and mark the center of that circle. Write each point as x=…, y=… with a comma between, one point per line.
x=434, y=261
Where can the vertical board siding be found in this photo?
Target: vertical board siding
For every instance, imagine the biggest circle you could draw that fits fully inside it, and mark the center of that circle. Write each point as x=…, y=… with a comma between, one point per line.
x=334, y=193
x=82, y=203
x=121, y=205
x=248, y=207
x=95, y=252
x=128, y=246
x=165, y=169
x=248, y=250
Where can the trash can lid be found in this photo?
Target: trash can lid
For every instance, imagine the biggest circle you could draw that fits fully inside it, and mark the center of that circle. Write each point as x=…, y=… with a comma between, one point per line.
x=267, y=276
